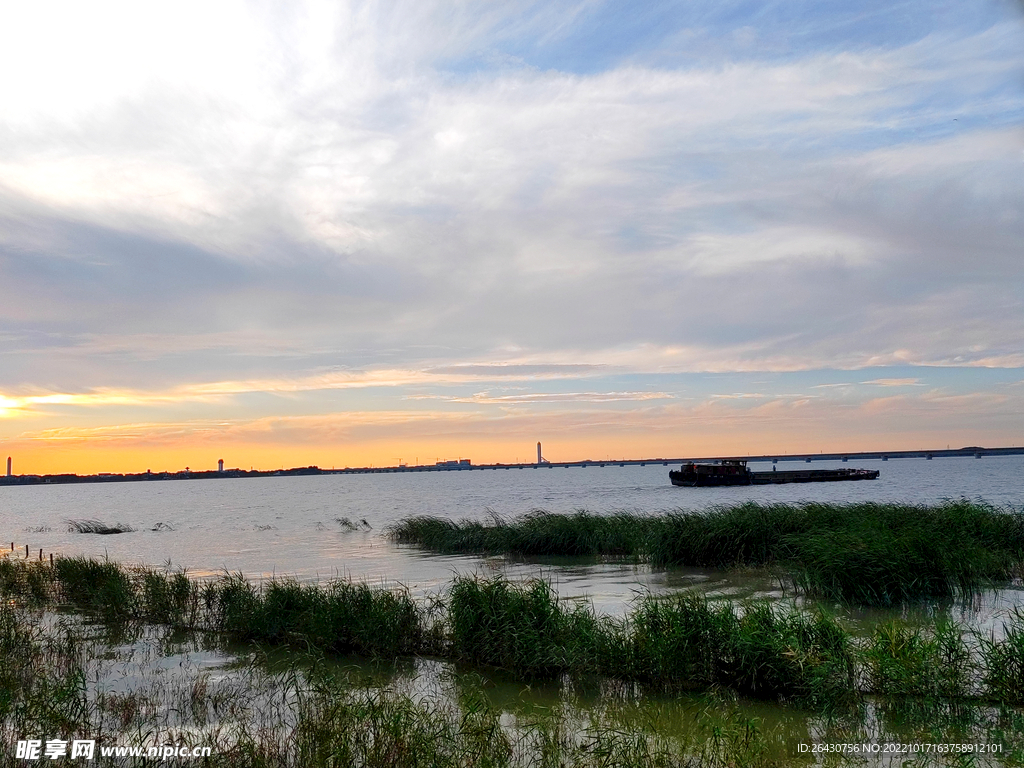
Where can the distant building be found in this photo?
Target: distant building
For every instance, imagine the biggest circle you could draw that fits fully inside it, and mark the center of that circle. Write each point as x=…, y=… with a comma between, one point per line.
x=454, y=463
x=220, y=465
x=8, y=466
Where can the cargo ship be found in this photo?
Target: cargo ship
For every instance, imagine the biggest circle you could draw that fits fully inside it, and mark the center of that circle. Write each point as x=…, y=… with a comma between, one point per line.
x=736, y=472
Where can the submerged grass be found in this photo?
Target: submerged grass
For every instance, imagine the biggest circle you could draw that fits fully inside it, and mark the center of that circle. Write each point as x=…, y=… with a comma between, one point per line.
x=868, y=553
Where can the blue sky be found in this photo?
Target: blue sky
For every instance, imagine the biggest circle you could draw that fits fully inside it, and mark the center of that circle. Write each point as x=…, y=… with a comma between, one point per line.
x=328, y=232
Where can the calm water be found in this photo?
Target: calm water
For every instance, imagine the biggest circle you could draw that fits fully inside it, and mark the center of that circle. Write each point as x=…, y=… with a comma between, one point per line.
x=289, y=525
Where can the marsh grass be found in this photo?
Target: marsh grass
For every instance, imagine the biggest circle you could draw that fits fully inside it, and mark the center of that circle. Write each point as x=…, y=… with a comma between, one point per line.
x=521, y=627
x=759, y=649
x=341, y=617
x=97, y=526
x=764, y=651
x=908, y=661
x=538, y=533
x=1004, y=661
x=42, y=679
x=865, y=553
x=321, y=716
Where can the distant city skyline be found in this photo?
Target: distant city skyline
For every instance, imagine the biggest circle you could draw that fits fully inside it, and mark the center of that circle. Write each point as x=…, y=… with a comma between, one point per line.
x=341, y=233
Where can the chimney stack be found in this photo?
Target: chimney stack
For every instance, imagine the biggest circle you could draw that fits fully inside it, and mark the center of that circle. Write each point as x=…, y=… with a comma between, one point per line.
x=540, y=459
x=220, y=465
x=8, y=466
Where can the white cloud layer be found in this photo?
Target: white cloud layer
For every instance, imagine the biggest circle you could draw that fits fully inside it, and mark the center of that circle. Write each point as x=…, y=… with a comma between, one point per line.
x=196, y=196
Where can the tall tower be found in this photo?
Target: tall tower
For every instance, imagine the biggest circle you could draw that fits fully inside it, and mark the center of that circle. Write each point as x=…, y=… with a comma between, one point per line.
x=8, y=466
x=540, y=459
x=220, y=465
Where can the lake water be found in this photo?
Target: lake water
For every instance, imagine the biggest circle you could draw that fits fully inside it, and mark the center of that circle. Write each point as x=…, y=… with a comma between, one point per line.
x=288, y=526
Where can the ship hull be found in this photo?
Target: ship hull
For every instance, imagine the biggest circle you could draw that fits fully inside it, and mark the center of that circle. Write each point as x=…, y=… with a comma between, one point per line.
x=702, y=480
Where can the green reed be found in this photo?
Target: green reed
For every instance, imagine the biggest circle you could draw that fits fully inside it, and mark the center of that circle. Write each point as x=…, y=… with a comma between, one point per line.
x=933, y=662
x=535, y=534
x=759, y=648
x=252, y=718
x=521, y=627
x=1004, y=661
x=340, y=617
x=867, y=553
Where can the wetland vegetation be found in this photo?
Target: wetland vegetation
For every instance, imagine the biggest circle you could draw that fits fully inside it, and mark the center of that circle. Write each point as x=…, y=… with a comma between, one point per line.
x=863, y=553
x=937, y=679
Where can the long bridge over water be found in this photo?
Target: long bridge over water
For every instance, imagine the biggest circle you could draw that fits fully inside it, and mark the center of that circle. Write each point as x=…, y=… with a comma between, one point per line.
x=968, y=452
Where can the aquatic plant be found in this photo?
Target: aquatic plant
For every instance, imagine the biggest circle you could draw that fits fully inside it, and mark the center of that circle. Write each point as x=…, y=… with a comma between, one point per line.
x=759, y=648
x=905, y=660
x=883, y=554
x=683, y=640
x=97, y=526
x=868, y=553
x=765, y=651
x=251, y=716
x=535, y=534
x=1004, y=661
x=341, y=617
x=788, y=654
x=520, y=627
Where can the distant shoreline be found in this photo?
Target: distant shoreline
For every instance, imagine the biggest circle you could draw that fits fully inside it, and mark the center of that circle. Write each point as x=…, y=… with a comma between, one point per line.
x=105, y=477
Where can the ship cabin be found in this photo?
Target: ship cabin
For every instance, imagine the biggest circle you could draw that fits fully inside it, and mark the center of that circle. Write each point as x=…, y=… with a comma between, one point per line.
x=726, y=468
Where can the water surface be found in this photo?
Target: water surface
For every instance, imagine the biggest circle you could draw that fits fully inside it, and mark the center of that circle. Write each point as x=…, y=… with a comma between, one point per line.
x=289, y=526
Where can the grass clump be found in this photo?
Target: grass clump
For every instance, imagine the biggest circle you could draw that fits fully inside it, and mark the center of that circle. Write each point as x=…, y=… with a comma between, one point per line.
x=538, y=533
x=881, y=554
x=686, y=642
x=790, y=655
x=761, y=649
x=683, y=640
x=745, y=534
x=764, y=651
x=342, y=617
x=866, y=553
x=98, y=526
x=520, y=627
x=98, y=585
x=250, y=716
x=903, y=661
x=374, y=728
x=1004, y=661
x=42, y=677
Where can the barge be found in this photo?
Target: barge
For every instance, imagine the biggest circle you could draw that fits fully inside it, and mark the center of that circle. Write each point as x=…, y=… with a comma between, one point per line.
x=736, y=472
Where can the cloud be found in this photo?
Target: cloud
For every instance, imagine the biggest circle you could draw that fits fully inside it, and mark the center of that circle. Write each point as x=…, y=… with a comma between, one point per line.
x=550, y=397
x=900, y=420
x=354, y=196
x=894, y=382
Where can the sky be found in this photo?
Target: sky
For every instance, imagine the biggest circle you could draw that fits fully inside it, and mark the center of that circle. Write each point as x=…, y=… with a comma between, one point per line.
x=353, y=233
